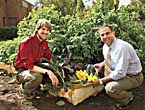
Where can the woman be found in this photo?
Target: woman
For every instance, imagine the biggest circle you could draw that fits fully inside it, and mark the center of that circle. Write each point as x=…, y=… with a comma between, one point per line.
x=30, y=52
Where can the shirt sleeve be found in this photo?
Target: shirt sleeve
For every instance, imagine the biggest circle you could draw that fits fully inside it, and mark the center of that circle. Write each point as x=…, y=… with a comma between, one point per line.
x=122, y=59
x=26, y=55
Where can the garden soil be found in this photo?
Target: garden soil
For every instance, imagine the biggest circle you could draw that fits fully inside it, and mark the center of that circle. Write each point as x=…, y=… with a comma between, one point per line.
x=10, y=99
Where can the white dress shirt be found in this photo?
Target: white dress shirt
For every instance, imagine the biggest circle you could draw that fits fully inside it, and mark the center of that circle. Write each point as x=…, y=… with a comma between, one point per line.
x=124, y=59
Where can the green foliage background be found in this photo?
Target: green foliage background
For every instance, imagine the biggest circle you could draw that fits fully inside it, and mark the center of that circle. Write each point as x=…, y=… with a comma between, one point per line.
x=75, y=36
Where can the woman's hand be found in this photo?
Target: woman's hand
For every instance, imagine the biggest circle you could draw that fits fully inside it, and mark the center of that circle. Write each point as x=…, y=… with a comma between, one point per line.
x=53, y=78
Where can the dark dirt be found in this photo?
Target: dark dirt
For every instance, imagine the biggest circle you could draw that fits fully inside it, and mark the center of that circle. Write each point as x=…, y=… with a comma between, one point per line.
x=11, y=100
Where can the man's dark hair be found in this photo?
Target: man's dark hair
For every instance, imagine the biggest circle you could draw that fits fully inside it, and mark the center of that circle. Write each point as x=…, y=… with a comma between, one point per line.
x=109, y=26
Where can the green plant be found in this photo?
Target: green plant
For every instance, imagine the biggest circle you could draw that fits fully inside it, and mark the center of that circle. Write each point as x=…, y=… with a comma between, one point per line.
x=8, y=50
x=8, y=33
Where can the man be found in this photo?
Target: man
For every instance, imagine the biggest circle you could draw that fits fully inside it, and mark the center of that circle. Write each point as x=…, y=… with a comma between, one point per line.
x=31, y=51
x=124, y=67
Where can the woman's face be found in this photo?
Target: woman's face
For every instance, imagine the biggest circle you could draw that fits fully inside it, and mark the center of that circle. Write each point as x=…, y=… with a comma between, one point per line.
x=43, y=32
x=107, y=36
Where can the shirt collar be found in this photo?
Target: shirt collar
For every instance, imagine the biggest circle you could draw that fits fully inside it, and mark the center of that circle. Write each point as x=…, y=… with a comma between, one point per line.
x=113, y=43
x=37, y=39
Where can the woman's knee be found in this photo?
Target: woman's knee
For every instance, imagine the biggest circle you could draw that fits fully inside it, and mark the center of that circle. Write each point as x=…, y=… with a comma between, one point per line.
x=38, y=77
x=25, y=76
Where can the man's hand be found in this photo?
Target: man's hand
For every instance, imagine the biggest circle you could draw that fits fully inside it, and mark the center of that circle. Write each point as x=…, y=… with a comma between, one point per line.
x=96, y=82
x=98, y=66
x=53, y=78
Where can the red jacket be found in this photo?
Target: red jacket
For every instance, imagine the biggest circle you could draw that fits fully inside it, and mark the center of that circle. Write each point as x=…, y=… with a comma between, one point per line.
x=31, y=50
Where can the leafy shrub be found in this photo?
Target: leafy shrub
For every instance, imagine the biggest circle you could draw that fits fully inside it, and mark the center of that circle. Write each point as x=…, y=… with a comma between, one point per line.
x=8, y=33
x=8, y=50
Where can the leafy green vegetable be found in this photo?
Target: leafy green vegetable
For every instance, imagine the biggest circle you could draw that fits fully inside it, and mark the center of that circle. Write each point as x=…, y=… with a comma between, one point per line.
x=60, y=103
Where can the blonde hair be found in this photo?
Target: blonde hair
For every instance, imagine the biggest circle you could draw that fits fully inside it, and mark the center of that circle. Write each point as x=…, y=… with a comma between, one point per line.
x=41, y=23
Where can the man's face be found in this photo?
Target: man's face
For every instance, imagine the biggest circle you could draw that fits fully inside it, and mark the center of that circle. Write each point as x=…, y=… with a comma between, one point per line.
x=43, y=32
x=107, y=36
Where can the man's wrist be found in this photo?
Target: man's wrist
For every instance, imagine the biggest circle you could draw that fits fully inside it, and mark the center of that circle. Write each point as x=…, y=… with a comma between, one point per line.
x=101, y=82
